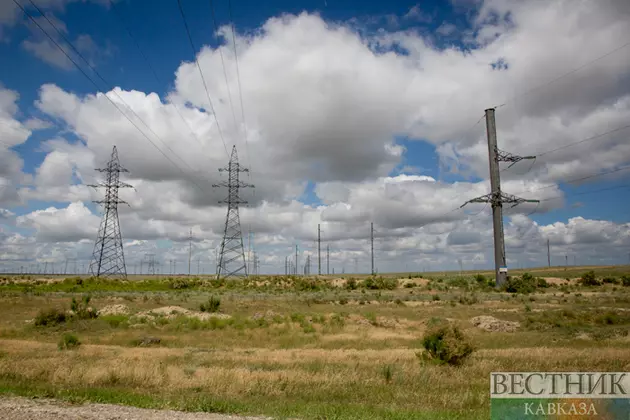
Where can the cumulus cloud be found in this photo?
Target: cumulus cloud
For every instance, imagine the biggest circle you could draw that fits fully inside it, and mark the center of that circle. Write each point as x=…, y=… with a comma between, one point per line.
x=324, y=105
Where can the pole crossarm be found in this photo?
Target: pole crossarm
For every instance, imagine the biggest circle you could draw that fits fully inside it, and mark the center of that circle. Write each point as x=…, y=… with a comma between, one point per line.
x=503, y=156
x=500, y=199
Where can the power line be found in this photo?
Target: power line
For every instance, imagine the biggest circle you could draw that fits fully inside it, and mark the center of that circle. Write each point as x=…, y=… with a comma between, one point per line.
x=570, y=181
x=146, y=59
x=227, y=85
x=111, y=86
x=575, y=70
x=203, y=79
x=238, y=78
x=588, y=192
x=98, y=88
x=584, y=140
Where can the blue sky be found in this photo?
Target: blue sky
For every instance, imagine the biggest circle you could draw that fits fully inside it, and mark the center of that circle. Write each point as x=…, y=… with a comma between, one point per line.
x=435, y=45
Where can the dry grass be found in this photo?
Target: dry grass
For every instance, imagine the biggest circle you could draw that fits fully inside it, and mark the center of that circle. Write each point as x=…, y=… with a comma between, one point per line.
x=305, y=355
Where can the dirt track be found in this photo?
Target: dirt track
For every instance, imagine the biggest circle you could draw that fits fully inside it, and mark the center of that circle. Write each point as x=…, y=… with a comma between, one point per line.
x=16, y=408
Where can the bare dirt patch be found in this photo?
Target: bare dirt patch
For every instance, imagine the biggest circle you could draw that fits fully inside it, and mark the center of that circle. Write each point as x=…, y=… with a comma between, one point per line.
x=558, y=280
x=171, y=312
x=417, y=281
x=118, y=309
x=492, y=324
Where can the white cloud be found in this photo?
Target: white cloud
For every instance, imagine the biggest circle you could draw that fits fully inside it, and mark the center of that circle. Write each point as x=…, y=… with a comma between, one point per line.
x=324, y=104
x=71, y=224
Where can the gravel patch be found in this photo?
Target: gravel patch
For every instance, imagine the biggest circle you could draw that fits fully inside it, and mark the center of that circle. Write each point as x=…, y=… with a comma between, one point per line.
x=17, y=408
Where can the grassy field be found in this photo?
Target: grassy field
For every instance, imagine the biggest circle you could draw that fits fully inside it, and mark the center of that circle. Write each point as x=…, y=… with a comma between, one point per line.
x=333, y=347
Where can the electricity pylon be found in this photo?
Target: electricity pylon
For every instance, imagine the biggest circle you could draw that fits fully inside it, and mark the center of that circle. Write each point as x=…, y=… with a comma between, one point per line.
x=232, y=250
x=497, y=198
x=108, y=259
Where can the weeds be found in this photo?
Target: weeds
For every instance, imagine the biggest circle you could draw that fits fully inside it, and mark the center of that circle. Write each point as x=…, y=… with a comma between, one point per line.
x=588, y=279
x=212, y=305
x=81, y=309
x=50, y=317
x=68, y=342
x=447, y=344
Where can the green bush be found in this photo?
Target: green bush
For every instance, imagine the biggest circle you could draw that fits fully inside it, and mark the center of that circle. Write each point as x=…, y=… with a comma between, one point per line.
x=447, y=344
x=610, y=280
x=212, y=305
x=588, y=279
x=351, y=283
x=178, y=284
x=68, y=341
x=82, y=309
x=523, y=285
x=50, y=317
x=481, y=279
x=380, y=283
x=625, y=280
x=436, y=297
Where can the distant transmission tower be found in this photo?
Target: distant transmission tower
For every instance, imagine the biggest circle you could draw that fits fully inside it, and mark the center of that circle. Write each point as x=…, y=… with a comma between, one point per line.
x=232, y=255
x=108, y=259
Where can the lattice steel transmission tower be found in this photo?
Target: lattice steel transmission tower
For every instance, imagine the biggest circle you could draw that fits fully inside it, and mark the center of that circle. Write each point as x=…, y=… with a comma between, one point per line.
x=108, y=259
x=232, y=255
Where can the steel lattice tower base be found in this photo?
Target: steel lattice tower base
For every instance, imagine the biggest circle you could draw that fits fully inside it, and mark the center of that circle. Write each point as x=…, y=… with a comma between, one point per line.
x=108, y=259
x=232, y=255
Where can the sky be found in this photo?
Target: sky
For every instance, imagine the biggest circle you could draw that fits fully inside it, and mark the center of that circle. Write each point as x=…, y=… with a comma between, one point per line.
x=346, y=113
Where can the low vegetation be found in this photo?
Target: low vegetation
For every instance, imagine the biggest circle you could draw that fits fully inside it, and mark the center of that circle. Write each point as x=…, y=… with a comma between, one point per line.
x=344, y=347
x=68, y=342
x=446, y=343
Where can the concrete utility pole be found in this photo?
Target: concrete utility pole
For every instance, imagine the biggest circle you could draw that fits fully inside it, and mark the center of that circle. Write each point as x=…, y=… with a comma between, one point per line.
x=296, y=260
x=497, y=198
x=372, y=244
x=189, y=250
x=319, y=251
x=548, y=255
x=327, y=259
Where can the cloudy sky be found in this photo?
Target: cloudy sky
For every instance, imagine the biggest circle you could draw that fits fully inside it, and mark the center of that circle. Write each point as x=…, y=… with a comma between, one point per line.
x=346, y=113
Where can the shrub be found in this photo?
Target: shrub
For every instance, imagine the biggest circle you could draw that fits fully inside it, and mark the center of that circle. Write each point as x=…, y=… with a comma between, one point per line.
x=436, y=297
x=524, y=284
x=380, y=283
x=468, y=300
x=343, y=301
x=68, y=341
x=588, y=279
x=388, y=373
x=447, y=344
x=212, y=305
x=625, y=280
x=82, y=309
x=480, y=278
x=610, y=280
x=399, y=302
x=351, y=283
x=50, y=317
x=178, y=284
